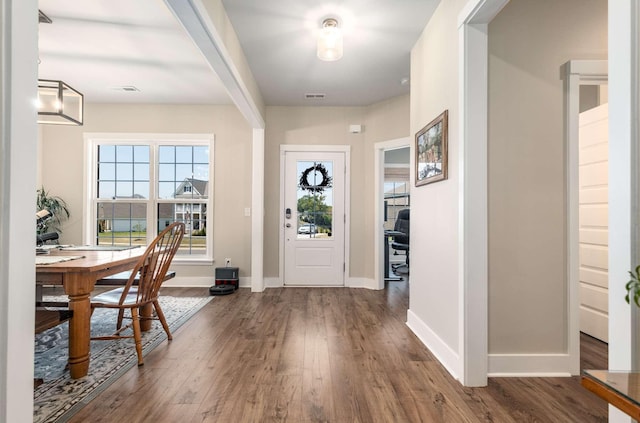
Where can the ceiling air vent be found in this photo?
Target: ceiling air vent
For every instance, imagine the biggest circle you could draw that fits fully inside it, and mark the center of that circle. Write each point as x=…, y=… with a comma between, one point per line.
x=126, y=88
x=314, y=96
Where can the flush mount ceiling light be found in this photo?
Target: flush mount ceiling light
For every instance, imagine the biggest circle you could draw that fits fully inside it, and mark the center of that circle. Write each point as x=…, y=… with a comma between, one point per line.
x=330, y=41
x=59, y=104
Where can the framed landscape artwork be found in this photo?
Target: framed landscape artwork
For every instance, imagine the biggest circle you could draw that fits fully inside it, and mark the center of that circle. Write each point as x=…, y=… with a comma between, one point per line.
x=431, y=151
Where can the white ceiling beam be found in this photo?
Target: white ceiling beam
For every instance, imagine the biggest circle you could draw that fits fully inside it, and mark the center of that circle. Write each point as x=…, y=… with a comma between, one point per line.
x=194, y=17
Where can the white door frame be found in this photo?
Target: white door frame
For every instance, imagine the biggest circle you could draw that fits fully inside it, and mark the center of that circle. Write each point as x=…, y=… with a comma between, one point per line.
x=347, y=199
x=378, y=204
x=574, y=74
x=473, y=32
x=18, y=170
x=624, y=147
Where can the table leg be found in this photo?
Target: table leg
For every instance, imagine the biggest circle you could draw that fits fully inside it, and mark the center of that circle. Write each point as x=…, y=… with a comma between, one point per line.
x=79, y=326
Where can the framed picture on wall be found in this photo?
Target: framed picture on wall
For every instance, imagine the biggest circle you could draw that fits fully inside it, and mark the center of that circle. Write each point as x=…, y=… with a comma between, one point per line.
x=431, y=151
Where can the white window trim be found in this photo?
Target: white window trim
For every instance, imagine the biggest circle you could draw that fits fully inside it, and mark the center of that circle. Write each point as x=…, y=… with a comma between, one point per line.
x=91, y=141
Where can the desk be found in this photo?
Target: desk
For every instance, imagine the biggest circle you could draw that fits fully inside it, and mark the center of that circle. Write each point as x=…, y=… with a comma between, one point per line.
x=78, y=278
x=620, y=389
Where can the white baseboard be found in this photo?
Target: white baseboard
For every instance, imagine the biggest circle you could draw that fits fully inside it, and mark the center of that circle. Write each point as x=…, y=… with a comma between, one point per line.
x=360, y=283
x=200, y=281
x=273, y=282
x=191, y=281
x=529, y=365
x=440, y=349
x=276, y=282
x=245, y=282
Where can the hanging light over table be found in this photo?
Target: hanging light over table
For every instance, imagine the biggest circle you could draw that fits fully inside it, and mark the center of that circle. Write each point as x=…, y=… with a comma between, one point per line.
x=59, y=103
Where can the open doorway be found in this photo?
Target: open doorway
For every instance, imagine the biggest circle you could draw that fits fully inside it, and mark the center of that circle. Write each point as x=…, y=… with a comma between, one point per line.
x=392, y=194
x=396, y=203
x=585, y=83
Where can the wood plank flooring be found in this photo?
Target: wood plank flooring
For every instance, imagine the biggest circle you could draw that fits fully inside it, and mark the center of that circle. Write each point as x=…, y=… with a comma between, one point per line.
x=323, y=355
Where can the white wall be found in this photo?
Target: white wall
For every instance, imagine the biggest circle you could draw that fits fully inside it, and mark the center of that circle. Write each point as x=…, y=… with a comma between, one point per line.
x=434, y=311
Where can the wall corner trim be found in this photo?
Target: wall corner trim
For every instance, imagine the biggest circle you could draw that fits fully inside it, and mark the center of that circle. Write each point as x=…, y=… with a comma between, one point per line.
x=440, y=349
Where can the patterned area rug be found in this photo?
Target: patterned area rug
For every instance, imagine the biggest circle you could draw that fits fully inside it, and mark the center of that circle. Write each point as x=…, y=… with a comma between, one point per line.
x=60, y=397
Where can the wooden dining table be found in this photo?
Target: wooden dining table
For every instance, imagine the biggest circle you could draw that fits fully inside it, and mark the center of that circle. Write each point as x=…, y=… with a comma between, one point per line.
x=78, y=277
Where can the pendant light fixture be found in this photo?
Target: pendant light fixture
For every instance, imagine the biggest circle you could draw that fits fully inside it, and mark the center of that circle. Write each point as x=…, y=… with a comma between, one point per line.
x=330, y=41
x=59, y=103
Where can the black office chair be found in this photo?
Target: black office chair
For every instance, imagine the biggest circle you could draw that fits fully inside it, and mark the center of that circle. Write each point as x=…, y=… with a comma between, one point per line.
x=401, y=242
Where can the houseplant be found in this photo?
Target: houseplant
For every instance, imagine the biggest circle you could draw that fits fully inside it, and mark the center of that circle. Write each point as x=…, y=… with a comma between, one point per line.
x=56, y=206
x=633, y=286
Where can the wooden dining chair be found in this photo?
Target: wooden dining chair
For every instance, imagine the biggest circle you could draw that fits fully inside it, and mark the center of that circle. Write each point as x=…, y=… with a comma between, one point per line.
x=148, y=275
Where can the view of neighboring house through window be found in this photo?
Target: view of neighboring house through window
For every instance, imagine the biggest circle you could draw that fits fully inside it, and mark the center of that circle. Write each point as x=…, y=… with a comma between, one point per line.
x=396, y=198
x=396, y=184
x=143, y=187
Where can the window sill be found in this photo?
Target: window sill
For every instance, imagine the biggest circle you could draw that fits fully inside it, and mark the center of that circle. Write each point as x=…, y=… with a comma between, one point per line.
x=205, y=261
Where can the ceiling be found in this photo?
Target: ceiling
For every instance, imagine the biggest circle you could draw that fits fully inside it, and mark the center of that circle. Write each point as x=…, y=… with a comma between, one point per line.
x=106, y=46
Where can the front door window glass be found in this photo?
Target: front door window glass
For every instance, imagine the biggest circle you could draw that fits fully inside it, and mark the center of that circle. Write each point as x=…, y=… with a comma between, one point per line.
x=315, y=199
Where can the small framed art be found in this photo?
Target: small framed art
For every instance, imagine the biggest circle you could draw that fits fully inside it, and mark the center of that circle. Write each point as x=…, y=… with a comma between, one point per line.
x=431, y=151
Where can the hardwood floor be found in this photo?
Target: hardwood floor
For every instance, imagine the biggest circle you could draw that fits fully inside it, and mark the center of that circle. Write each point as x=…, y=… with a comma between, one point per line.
x=323, y=355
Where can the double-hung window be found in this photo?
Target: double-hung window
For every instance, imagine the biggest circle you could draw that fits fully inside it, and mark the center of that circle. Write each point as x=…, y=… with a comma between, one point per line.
x=141, y=183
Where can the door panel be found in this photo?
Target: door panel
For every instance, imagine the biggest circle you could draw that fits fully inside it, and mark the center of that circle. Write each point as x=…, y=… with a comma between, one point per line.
x=314, y=227
x=593, y=218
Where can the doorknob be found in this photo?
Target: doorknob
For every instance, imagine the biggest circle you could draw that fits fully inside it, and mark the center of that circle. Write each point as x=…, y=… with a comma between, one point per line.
x=288, y=225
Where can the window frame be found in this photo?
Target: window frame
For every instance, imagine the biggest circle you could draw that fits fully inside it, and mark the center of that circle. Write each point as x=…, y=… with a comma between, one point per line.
x=153, y=140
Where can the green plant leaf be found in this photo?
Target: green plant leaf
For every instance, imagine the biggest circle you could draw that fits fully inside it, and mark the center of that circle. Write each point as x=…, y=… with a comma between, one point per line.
x=54, y=204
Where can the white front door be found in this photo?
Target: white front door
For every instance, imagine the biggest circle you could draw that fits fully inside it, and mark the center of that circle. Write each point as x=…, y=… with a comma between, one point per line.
x=314, y=218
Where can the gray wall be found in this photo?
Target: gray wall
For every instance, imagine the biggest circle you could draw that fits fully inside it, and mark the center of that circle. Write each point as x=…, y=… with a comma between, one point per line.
x=528, y=42
x=62, y=174
x=61, y=149
x=527, y=281
x=382, y=121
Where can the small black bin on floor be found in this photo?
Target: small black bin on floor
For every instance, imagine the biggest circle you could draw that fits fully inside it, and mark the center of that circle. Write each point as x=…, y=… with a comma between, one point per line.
x=227, y=281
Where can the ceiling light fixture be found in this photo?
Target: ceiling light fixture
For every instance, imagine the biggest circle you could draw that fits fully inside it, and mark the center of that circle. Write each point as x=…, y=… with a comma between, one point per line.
x=330, y=41
x=59, y=104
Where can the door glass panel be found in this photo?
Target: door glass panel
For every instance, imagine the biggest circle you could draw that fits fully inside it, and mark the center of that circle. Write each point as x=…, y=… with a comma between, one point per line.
x=315, y=199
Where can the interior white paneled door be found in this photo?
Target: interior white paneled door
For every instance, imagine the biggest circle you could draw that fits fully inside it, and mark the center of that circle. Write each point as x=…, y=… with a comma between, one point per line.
x=314, y=218
x=593, y=217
